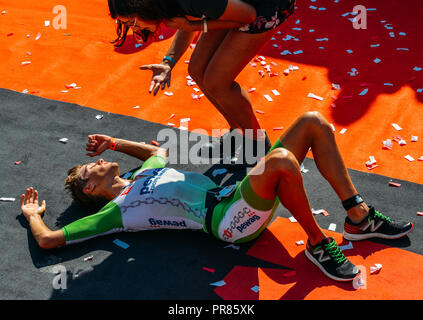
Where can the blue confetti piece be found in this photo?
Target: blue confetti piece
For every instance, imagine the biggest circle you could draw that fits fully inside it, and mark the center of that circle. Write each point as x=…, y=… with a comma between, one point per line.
x=321, y=48
x=298, y=29
x=392, y=34
x=137, y=45
x=388, y=84
x=298, y=52
x=402, y=49
x=371, y=9
x=218, y=283
x=402, y=34
x=417, y=69
x=313, y=7
x=388, y=26
x=322, y=9
x=121, y=244
x=285, y=52
x=364, y=92
x=311, y=30
x=255, y=289
x=420, y=90
x=323, y=39
x=375, y=45
x=298, y=21
x=349, y=51
x=377, y=60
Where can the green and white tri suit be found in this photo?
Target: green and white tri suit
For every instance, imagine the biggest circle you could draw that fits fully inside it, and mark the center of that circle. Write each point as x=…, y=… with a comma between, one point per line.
x=165, y=198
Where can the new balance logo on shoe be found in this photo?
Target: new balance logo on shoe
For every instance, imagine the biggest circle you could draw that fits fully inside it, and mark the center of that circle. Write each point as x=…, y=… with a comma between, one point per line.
x=322, y=257
x=372, y=225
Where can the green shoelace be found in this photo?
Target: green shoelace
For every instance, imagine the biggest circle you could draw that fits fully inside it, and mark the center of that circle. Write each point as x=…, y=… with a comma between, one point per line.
x=335, y=252
x=379, y=215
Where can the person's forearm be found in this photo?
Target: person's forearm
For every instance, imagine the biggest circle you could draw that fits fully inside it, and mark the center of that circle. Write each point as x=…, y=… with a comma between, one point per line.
x=179, y=45
x=46, y=238
x=139, y=150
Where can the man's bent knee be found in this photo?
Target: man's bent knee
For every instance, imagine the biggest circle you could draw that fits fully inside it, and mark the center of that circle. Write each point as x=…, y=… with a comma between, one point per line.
x=282, y=160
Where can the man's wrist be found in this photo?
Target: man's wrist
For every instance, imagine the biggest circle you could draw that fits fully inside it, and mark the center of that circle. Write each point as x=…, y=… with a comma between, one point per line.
x=113, y=144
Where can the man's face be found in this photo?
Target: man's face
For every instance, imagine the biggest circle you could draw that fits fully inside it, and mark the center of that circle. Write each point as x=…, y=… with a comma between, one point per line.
x=99, y=173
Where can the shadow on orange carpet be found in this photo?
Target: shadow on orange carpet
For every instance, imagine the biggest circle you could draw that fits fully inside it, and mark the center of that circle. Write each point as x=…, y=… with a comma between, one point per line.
x=306, y=282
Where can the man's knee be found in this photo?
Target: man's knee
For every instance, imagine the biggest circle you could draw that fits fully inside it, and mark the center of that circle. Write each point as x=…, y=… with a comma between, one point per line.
x=282, y=161
x=315, y=120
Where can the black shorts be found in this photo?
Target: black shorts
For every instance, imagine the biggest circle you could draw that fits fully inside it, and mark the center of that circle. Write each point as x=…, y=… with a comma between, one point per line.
x=266, y=23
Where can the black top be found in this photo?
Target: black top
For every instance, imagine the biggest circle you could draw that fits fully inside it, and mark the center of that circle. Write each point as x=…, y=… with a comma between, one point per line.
x=213, y=9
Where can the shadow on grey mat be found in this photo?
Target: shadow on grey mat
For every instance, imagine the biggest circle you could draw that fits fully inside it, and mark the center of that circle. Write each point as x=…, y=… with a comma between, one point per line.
x=158, y=265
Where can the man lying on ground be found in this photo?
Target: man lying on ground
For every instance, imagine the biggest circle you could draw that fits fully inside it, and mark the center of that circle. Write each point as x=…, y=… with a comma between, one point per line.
x=155, y=197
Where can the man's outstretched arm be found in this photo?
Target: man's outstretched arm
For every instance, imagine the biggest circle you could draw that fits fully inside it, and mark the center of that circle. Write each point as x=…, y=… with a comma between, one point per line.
x=98, y=143
x=46, y=238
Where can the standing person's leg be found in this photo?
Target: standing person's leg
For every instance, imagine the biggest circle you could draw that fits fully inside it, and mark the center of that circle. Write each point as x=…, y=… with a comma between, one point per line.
x=230, y=58
x=205, y=48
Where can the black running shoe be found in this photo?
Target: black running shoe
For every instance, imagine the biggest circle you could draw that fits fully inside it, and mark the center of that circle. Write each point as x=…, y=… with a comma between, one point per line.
x=330, y=259
x=375, y=225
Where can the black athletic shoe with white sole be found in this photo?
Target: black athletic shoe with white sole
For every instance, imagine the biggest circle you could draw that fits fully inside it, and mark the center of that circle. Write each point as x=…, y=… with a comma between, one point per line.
x=376, y=225
x=329, y=258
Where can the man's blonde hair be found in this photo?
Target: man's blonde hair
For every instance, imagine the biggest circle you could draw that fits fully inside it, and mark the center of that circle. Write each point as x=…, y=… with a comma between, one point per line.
x=75, y=184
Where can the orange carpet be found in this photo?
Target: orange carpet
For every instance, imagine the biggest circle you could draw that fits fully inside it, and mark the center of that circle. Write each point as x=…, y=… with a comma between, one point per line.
x=110, y=80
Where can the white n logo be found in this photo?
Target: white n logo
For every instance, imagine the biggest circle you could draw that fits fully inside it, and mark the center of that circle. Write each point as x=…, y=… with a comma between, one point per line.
x=321, y=254
x=372, y=226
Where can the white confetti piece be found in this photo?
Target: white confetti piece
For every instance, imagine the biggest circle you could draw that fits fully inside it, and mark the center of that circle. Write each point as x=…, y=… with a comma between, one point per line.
x=409, y=158
x=99, y=116
x=185, y=120
x=38, y=36
x=46, y=23
x=24, y=63
x=332, y=227
x=371, y=161
x=170, y=124
x=420, y=159
x=336, y=86
x=218, y=283
x=303, y=169
x=332, y=126
x=299, y=243
x=63, y=140
x=292, y=219
x=169, y=94
x=276, y=93
x=136, y=107
x=420, y=214
x=387, y=144
x=375, y=268
x=7, y=199
x=402, y=142
x=312, y=95
x=88, y=258
x=414, y=138
x=268, y=98
x=251, y=90
x=343, y=131
x=396, y=126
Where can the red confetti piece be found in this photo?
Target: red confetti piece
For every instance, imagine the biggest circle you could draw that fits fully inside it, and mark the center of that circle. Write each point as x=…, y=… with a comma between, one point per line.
x=325, y=213
x=10, y=34
x=155, y=143
x=393, y=184
x=259, y=111
x=304, y=78
x=371, y=167
x=208, y=269
x=18, y=162
x=419, y=213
